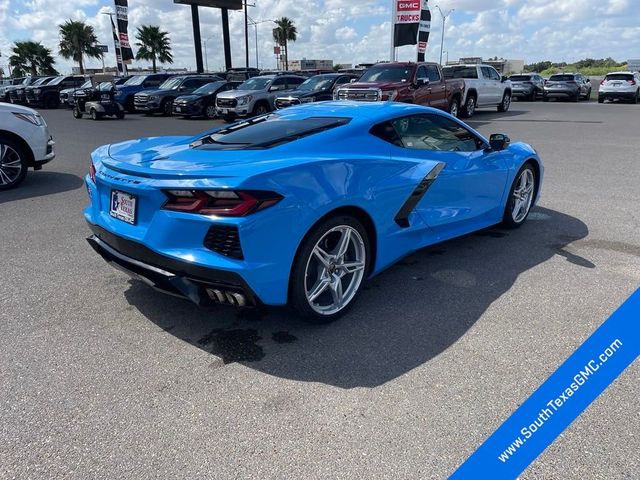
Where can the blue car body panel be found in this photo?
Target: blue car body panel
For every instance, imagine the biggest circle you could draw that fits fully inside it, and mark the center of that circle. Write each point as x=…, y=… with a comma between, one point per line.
x=345, y=167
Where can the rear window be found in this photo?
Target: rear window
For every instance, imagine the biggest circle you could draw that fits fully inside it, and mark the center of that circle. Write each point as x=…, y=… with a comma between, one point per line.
x=460, y=72
x=520, y=78
x=562, y=78
x=619, y=76
x=267, y=131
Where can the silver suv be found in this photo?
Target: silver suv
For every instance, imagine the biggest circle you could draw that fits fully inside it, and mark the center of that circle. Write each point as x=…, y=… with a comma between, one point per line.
x=255, y=96
x=620, y=85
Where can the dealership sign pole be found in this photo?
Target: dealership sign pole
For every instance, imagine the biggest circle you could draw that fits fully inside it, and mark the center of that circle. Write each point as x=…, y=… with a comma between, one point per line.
x=122, y=15
x=406, y=20
x=424, y=29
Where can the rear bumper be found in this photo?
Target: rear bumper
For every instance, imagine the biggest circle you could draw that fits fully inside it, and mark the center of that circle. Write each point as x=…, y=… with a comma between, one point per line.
x=619, y=95
x=203, y=286
x=560, y=93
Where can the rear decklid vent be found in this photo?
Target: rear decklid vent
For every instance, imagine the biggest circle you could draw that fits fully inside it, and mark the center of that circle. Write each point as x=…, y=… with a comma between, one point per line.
x=225, y=240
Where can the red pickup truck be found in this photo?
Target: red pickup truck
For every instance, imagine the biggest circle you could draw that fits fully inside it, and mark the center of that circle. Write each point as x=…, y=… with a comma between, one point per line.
x=419, y=83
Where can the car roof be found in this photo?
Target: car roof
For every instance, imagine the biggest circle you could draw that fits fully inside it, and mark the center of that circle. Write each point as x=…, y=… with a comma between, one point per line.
x=370, y=112
x=622, y=73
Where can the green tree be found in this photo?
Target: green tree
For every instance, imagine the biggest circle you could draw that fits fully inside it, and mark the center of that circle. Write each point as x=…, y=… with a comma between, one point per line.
x=31, y=58
x=284, y=33
x=77, y=40
x=153, y=44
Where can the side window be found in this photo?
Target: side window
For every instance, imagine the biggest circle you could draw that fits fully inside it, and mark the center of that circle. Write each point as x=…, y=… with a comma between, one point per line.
x=191, y=83
x=343, y=80
x=278, y=84
x=422, y=73
x=485, y=72
x=435, y=133
x=293, y=82
x=433, y=74
x=152, y=82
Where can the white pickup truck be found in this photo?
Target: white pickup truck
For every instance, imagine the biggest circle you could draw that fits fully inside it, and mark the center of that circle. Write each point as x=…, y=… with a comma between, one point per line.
x=484, y=87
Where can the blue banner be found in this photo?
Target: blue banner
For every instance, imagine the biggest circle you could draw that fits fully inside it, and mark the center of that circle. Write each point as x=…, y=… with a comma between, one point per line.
x=560, y=399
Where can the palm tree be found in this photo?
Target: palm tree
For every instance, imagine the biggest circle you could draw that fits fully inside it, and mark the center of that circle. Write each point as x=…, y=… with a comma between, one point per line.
x=78, y=39
x=153, y=44
x=285, y=32
x=31, y=58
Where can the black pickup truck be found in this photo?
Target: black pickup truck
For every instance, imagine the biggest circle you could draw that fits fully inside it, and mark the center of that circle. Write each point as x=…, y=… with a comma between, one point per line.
x=48, y=96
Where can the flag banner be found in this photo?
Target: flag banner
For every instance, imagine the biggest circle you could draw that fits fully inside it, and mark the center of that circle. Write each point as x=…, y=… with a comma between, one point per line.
x=406, y=19
x=116, y=43
x=560, y=399
x=122, y=14
x=424, y=28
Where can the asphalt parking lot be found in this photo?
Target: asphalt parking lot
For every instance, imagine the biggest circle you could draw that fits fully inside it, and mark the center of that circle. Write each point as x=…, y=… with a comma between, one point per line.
x=102, y=377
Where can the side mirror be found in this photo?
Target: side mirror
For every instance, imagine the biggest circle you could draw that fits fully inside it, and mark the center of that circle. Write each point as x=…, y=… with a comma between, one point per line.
x=182, y=88
x=499, y=141
x=422, y=82
x=504, y=79
x=353, y=80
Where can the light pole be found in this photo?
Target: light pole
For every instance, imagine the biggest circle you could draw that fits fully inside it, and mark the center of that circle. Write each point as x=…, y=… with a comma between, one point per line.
x=444, y=21
x=206, y=57
x=446, y=52
x=255, y=26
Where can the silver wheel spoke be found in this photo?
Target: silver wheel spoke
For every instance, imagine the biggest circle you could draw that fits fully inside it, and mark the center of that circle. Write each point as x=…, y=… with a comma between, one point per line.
x=323, y=256
x=336, y=292
x=343, y=245
x=352, y=267
x=319, y=289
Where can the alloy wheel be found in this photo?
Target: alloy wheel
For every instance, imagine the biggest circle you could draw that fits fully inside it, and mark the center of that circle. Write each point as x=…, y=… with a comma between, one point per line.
x=10, y=165
x=471, y=106
x=523, y=196
x=335, y=269
x=211, y=111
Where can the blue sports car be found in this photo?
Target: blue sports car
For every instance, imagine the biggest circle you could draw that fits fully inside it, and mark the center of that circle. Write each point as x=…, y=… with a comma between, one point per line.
x=299, y=207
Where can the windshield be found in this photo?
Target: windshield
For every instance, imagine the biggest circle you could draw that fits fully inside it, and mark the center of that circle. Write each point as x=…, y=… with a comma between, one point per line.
x=387, y=74
x=56, y=81
x=44, y=81
x=208, y=88
x=268, y=131
x=460, y=72
x=86, y=84
x=625, y=77
x=171, y=83
x=561, y=78
x=136, y=80
x=520, y=78
x=317, y=83
x=256, y=83
x=24, y=81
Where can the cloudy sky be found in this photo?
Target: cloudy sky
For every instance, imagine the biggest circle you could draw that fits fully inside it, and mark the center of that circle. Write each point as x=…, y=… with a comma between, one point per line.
x=354, y=31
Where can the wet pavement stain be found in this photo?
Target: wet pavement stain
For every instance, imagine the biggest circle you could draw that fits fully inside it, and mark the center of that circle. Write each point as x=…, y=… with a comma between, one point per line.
x=234, y=345
x=408, y=262
x=419, y=279
x=283, y=337
x=438, y=251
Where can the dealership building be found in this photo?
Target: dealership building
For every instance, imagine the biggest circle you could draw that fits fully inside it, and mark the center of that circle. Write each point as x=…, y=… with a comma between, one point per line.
x=501, y=65
x=305, y=64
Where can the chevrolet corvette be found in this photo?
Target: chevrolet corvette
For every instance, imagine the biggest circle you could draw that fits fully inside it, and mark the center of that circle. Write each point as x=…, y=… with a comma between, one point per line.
x=301, y=206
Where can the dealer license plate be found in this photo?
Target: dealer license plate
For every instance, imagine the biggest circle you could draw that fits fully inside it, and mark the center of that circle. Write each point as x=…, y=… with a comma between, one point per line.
x=123, y=206
x=178, y=109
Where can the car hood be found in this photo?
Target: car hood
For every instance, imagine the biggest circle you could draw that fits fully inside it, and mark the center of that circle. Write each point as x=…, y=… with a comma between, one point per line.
x=238, y=93
x=12, y=107
x=303, y=94
x=380, y=85
x=154, y=91
x=189, y=98
x=172, y=157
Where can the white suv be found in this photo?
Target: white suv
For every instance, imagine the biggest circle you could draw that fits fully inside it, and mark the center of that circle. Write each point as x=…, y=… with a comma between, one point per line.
x=620, y=85
x=24, y=142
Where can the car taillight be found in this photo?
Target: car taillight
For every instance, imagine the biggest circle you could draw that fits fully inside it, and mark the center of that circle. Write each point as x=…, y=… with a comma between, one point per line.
x=602, y=82
x=92, y=172
x=225, y=203
x=631, y=82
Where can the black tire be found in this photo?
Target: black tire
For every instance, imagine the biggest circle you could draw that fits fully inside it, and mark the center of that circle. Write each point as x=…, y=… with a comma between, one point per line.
x=120, y=115
x=600, y=99
x=210, y=112
x=534, y=94
x=128, y=104
x=506, y=102
x=298, y=302
x=469, y=107
x=454, y=107
x=94, y=114
x=23, y=158
x=51, y=102
x=636, y=99
x=545, y=99
x=588, y=97
x=77, y=113
x=576, y=98
x=507, y=219
x=167, y=107
x=261, y=108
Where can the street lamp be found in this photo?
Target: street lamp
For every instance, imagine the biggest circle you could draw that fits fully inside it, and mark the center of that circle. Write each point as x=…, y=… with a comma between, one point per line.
x=444, y=21
x=446, y=52
x=255, y=26
x=206, y=57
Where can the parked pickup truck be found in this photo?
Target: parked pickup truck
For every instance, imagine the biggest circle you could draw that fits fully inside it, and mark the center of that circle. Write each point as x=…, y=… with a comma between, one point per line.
x=484, y=87
x=419, y=83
